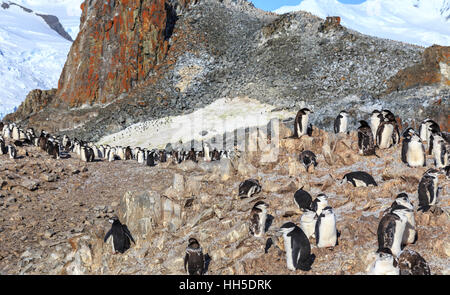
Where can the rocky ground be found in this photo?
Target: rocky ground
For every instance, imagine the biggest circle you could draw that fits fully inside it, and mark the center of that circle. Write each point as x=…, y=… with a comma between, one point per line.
x=53, y=213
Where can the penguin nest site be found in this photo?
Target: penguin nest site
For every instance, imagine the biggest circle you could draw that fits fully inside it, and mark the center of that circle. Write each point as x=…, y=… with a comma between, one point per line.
x=353, y=201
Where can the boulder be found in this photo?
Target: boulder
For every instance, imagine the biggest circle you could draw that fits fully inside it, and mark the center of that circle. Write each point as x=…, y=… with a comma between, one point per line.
x=144, y=211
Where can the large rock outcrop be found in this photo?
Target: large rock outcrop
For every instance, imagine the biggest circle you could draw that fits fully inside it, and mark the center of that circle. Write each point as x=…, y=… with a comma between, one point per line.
x=119, y=44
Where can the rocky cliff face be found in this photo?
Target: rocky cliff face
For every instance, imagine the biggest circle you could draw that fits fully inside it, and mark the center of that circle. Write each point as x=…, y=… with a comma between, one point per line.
x=139, y=60
x=120, y=43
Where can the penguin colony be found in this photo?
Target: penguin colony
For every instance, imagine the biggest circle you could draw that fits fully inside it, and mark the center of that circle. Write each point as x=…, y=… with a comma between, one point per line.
x=396, y=228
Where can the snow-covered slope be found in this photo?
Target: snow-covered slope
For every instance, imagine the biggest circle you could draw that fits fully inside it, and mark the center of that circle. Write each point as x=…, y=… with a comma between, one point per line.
x=32, y=54
x=421, y=22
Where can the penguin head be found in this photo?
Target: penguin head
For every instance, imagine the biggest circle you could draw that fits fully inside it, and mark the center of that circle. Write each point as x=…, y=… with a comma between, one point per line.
x=432, y=173
x=307, y=111
x=114, y=219
x=287, y=227
x=364, y=123
x=408, y=132
x=322, y=197
x=403, y=199
x=193, y=243
x=261, y=205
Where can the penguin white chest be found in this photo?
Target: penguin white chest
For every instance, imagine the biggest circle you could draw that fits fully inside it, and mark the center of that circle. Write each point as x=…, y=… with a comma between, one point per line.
x=261, y=224
x=344, y=124
x=327, y=231
x=374, y=123
x=288, y=249
x=400, y=226
x=386, y=136
x=414, y=155
x=308, y=224
x=304, y=126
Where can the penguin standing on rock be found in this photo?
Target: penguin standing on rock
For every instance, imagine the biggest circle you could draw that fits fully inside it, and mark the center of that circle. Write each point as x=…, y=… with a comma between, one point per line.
x=375, y=119
x=120, y=236
x=150, y=159
x=194, y=259
x=3, y=149
x=428, y=190
x=12, y=151
x=248, y=188
x=303, y=199
x=258, y=217
x=366, y=144
x=391, y=229
x=410, y=234
x=415, y=152
x=341, y=123
x=297, y=247
x=326, y=232
x=406, y=139
x=359, y=179
x=439, y=151
x=301, y=122
x=384, y=134
x=308, y=159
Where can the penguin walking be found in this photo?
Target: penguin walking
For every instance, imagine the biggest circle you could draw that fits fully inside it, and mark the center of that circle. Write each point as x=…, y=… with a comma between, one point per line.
x=308, y=158
x=120, y=236
x=319, y=203
x=366, y=144
x=248, y=188
x=258, y=217
x=303, y=199
x=301, y=122
x=439, y=151
x=341, y=123
x=308, y=223
x=411, y=263
x=297, y=247
x=402, y=201
x=12, y=151
x=359, y=179
x=428, y=190
x=194, y=259
x=391, y=229
x=385, y=263
x=414, y=151
x=326, y=232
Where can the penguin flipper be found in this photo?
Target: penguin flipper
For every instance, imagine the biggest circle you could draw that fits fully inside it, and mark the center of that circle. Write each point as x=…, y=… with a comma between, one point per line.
x=127, y=233
x=107, y=236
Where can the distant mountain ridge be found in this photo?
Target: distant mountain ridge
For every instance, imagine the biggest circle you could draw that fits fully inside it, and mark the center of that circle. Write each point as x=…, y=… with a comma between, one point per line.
x=421, y=22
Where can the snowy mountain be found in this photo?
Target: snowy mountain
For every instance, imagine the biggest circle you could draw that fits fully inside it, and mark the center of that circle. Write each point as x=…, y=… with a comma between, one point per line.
x=421, y=22
x=33, y=46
